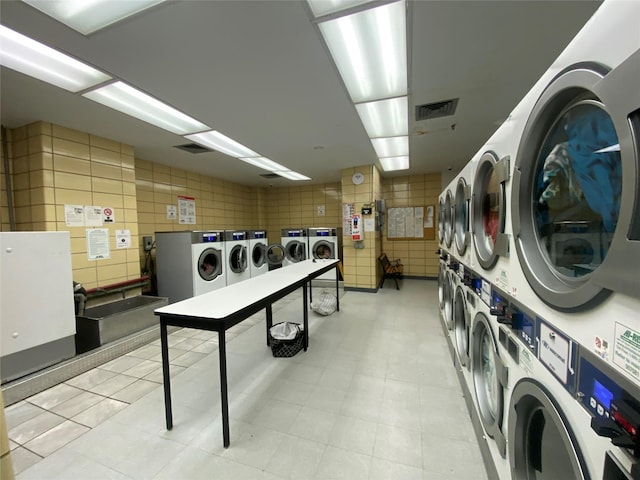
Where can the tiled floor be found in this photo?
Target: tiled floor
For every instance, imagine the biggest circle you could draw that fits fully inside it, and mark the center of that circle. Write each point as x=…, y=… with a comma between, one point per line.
x=374, y=397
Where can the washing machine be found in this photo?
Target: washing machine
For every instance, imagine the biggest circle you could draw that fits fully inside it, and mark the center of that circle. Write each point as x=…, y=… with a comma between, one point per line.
x=264, y=256
x=237, y=255
x=325, y=243
x=294, y=243
x=189, y=263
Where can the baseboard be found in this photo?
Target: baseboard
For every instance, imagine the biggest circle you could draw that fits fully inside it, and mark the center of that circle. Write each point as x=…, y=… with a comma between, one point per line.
x=358, y=289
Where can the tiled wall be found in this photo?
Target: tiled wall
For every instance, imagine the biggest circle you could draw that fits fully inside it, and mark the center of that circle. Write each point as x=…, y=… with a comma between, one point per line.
x=5, y=225
x=360, y=265
x=297, y=207
x=219, y=204
x=418, y=256
x=54, y=166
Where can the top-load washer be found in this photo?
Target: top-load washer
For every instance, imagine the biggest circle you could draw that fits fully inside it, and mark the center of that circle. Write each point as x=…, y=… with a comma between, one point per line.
x=237, y=255
x=189, y=263
x=325, y=243
x=294, y=243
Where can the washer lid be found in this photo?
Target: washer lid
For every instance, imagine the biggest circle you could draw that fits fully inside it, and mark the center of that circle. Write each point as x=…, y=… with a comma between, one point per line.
x=575, y=195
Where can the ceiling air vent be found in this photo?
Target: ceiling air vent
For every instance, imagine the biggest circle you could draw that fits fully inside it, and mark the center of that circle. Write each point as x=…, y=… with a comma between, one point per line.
x=443, y=108
x=193, y=148
x=270, y=175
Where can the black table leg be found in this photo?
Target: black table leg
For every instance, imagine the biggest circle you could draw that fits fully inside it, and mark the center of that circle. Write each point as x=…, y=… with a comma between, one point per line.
x=305, y=316
x=165, y=374
x=337, y=288
x=269, y=323
x=310, y=292
x=224, y=400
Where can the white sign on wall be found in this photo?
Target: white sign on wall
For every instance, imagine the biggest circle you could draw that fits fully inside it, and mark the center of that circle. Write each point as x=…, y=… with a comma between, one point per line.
x=98, y=244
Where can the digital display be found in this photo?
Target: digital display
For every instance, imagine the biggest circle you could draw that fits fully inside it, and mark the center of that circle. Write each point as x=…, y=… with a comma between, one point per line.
x=294, y=233
x=259, y=234
x=209, y=237
x=602, y=394
x=238, y=236
x=322, y=233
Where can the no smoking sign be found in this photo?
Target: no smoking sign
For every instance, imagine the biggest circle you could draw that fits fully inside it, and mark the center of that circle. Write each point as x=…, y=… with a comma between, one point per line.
x=108, y=215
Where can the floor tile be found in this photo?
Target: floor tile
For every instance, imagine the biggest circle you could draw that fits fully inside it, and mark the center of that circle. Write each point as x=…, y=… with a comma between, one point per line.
x=91, y=378
x=99, y=412
x=78, y=404
x=398, y=445
x=314, y=424
x=134, y=391
x=21, y=412
x=22, y=459
x=51, y=440
x=353, y=434
x=33, y=427
x=337, y=463
x=54, y=396
x=113, y=385
x=296, y=458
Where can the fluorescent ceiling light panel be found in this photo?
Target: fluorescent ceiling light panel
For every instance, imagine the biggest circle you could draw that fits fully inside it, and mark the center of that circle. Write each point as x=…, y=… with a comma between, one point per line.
x=291, y=175
x=390, y=164
x=35, y=59
x=325, y=7
x=369, y=49
x=265, y=164
x=88, y=16
x=391, y=146
x=135, y=103
x=218, y=141
x=385, y=118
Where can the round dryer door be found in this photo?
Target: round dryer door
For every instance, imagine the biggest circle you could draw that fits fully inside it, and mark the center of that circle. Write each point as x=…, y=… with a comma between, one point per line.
x=461, y=216
x=489, y=208
x=461, y=326
x=541, y=444
x=274, y=254
x=323, y=249
x=488, y=379
x=441, y=284
x=448, y=300
x=441, y=222
x=568, y=196
x=210, y=264
x=448, y=219
x=258, y=255
x=295, y=251
x=238, y=259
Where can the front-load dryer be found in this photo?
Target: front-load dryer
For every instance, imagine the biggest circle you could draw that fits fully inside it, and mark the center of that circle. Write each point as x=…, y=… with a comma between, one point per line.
x=461, y=215
x=189, y=263
x=237, y=256
x=575, y=197
x=325, y=243
x=294, y=243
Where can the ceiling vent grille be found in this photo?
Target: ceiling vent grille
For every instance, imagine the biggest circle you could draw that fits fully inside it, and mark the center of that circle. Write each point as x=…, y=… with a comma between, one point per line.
x=443, y=108
x=270, y=175
x=193, y=148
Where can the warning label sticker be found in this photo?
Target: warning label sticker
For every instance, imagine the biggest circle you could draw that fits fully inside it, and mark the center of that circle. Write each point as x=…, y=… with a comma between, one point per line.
x=626, y=350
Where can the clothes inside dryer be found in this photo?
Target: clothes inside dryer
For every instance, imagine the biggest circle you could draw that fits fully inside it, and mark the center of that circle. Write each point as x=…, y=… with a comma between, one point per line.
x=323, y=249
x=578, y=182
x=441, y=222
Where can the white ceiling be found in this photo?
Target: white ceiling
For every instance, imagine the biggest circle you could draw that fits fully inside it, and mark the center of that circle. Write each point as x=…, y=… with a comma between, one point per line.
x=258, y=72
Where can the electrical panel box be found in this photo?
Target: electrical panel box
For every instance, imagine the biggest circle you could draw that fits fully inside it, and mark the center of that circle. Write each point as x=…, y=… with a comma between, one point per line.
x=148, y=242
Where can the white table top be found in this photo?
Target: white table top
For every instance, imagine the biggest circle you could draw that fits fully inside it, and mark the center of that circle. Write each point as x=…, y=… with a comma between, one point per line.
x=221, y=303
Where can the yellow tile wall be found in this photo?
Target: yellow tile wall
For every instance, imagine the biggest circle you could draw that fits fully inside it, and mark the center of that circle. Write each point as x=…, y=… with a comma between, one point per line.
x=360, y=265
x=220, y=205
x=418, y=256
x=54, y=166
x=297, y=207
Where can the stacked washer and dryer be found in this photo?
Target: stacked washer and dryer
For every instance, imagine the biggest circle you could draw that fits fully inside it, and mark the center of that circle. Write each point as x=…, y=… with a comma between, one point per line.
x=551, y=357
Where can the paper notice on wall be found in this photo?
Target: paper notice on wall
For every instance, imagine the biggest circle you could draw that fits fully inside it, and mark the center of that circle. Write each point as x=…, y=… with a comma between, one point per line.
x=348, y=209
x=172, y=212
x=186, y=210
x=92, y=216
x=74, y=215
x=369, y=225
x=123, y=238
x=418, y=231
x=428, y=220
x=98, y=244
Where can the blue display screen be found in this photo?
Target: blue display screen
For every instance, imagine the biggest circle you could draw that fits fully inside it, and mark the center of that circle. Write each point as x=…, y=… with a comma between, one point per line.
x=259, y=235
x=238, y=236
x=322, y=233
x=294, y=234
x=602, y=394
x=210, y=237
